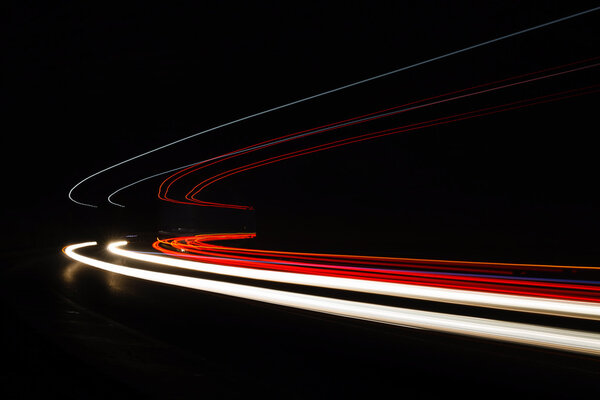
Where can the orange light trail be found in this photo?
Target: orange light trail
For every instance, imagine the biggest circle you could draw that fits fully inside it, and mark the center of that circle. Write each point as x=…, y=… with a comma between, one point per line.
x=577, y=341
x=507, y=278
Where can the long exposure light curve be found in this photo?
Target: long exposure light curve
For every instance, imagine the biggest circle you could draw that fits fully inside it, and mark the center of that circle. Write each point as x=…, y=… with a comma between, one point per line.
x=555, y=338
x=565, y=308
x=465, y=49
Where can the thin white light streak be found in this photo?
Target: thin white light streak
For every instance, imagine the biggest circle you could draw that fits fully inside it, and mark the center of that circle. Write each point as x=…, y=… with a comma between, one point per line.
x=565, y=308
x=109, y=198
x=555, y=338
x=465, y=49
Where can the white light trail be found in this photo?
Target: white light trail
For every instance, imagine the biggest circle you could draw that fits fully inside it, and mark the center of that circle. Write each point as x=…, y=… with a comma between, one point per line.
x=565, y=308
x=430, y=60
x=555, y=338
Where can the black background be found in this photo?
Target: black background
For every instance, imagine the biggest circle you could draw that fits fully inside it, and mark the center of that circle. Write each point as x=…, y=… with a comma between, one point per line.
x=91, y=85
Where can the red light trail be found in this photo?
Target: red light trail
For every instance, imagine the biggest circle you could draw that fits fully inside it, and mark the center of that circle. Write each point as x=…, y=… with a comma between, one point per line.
x=508, y=278
x=190, y=197
x=578, y=341
x=341, y=88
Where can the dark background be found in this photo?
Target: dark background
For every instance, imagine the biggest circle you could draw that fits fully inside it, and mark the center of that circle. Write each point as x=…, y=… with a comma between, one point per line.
x=91, y=85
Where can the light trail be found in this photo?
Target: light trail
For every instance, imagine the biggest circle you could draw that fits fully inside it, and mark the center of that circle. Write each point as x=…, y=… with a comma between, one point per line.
x=529, y=334
x=565, y=308
x=415, y=105
x=190, y=196
x=474, y=284
x=405, y=68
x=182, y=171
x=205, y=241
x=477, y=276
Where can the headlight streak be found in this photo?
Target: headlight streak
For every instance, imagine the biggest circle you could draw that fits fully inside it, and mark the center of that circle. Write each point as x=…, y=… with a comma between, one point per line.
x=565, y=308
x=553, y=338
x=412, y=274
x=430, y=60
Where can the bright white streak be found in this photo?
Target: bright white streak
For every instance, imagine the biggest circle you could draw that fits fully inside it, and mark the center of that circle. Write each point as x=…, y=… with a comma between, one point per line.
x=565, y=308
x=329, y=92
x=555, y=338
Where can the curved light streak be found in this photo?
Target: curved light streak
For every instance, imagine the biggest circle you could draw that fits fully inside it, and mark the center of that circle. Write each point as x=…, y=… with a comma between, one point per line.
x=553, y=338
x=440, y=57
x=190, y=196
x=565, y=308
x=363, y=118
x=491, y=277
x=186, y=169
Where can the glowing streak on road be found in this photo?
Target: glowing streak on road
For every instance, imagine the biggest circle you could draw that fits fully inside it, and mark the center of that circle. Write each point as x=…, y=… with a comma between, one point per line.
x=446, y=55
x=554, y=338
x=505, y=278
x=566, y=308
x=190, y=243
